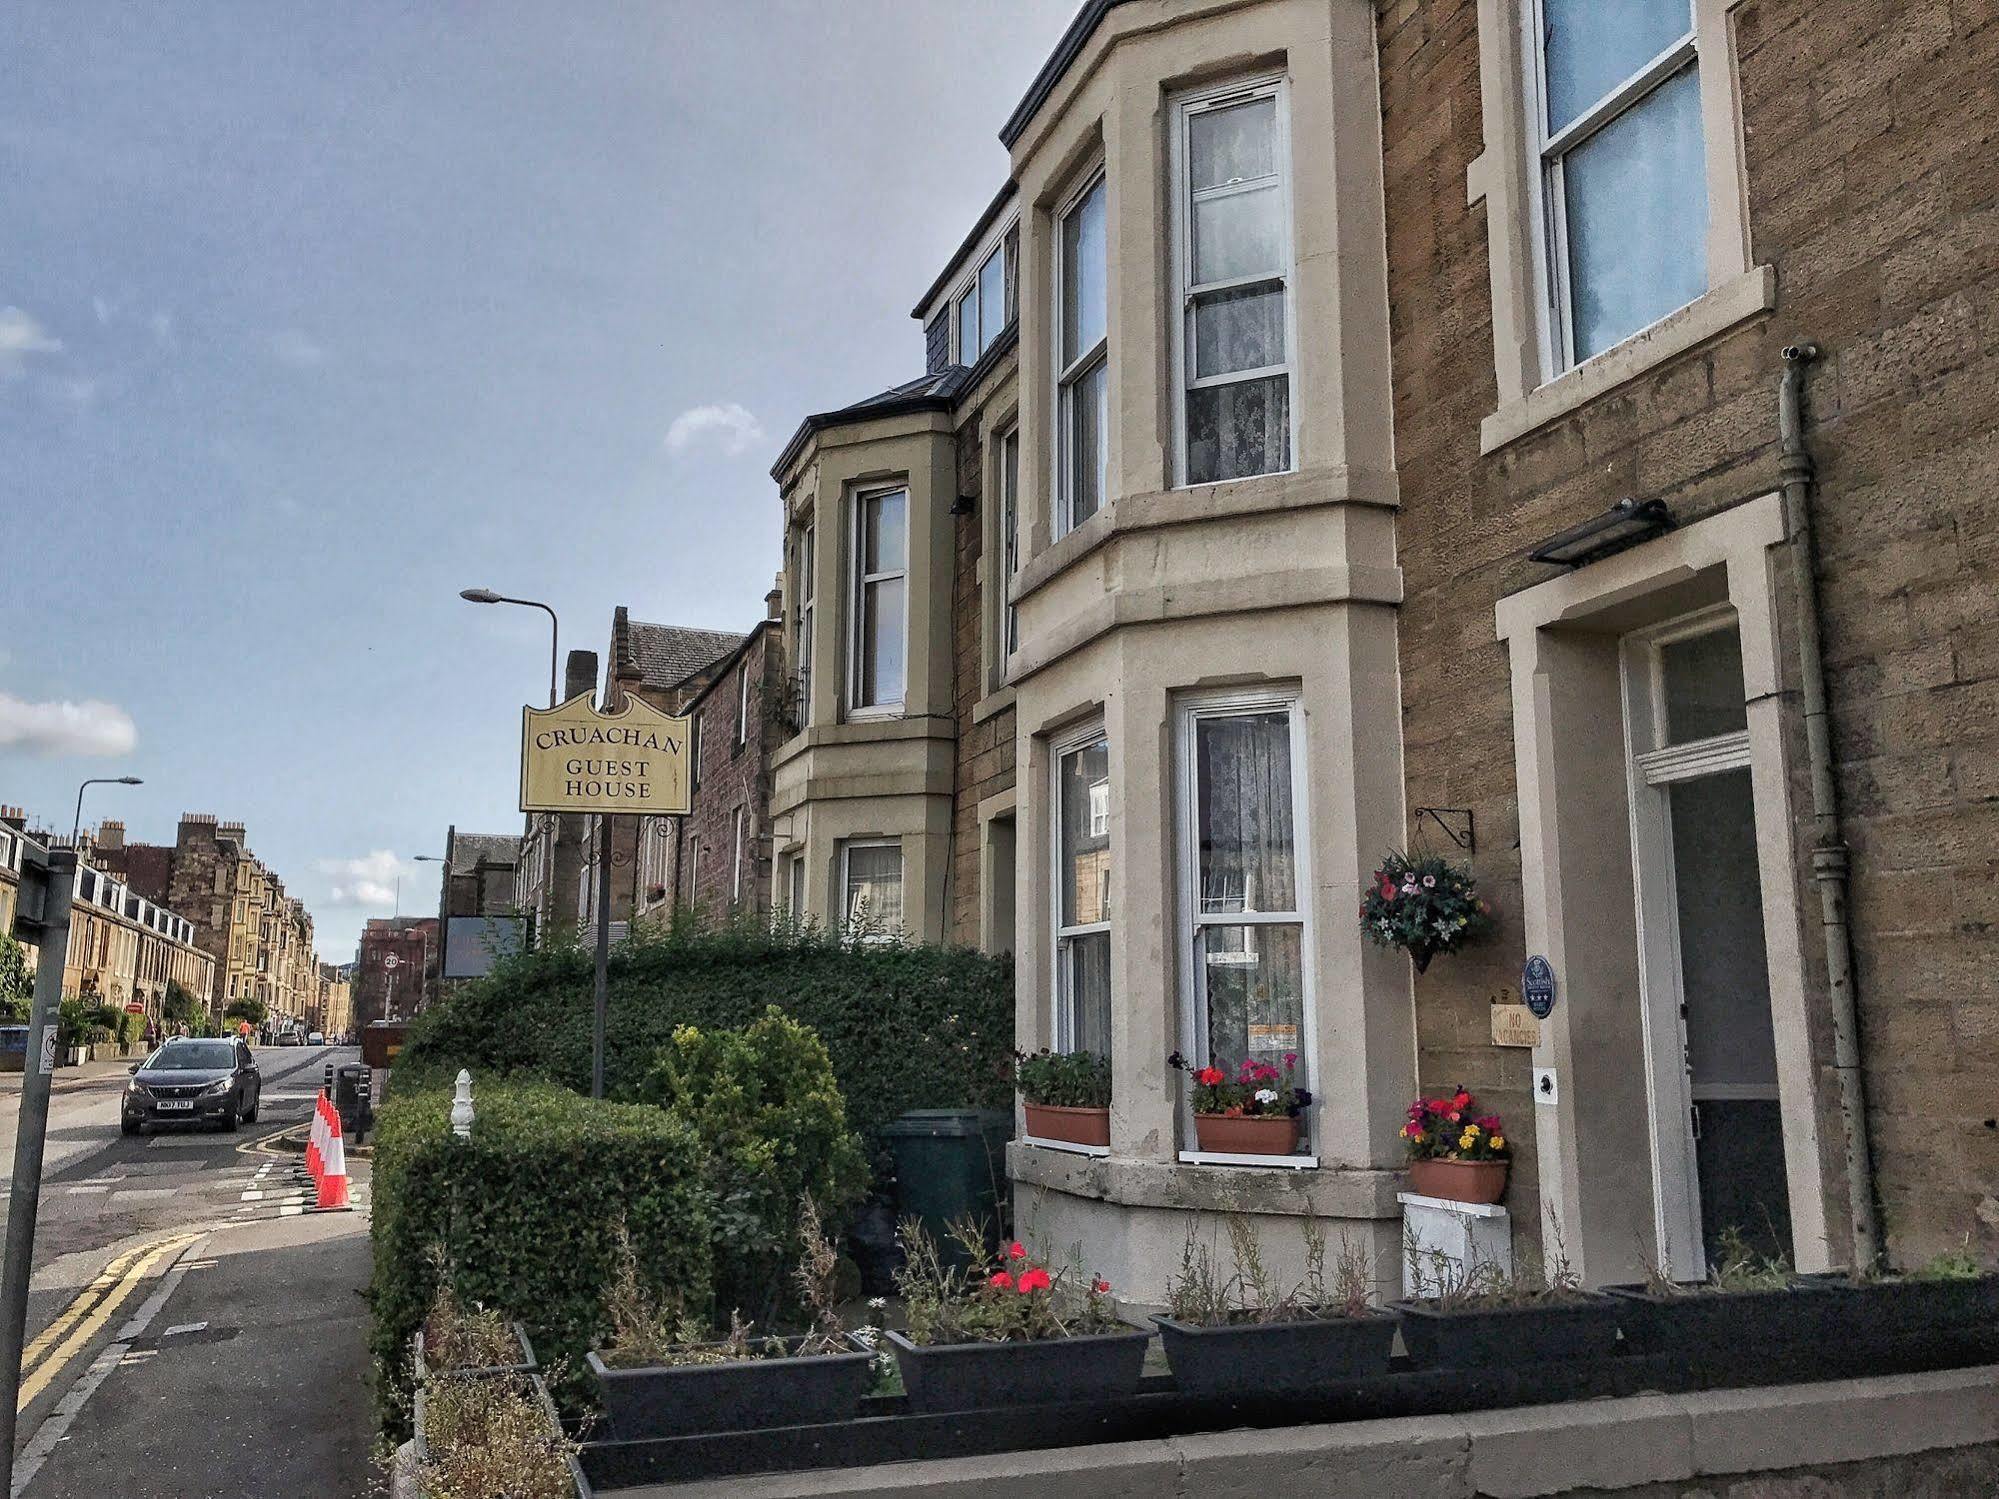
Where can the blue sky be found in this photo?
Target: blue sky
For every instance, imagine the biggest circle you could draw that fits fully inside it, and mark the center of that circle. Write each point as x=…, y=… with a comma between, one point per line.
x=312, y=315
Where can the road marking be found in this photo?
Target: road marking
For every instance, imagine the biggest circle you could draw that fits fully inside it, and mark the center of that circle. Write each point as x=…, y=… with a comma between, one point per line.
x=252, y=1196
x=80, y=1336
x=56, y=1427
x=89, y=1187
x=106, y=1278
x=185, y=1327
x=142, y=1194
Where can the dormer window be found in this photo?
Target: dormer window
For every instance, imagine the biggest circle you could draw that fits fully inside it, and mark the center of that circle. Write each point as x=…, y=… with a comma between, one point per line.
x=982, y=307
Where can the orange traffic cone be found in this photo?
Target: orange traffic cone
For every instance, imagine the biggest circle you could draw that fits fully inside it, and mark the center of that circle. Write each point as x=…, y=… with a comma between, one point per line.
x=333, y=1166
x=315, y=1148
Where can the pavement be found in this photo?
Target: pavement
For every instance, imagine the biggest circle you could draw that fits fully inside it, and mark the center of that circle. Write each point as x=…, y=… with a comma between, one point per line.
x=196, y=1330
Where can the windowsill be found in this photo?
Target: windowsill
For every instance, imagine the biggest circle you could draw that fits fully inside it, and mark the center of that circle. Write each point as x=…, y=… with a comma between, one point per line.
x=1708, y=316
x=1070, y=1146
x=995, y=702
x=1223, y=1158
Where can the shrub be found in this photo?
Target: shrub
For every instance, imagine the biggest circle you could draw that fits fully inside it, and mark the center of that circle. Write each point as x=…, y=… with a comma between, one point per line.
x=180, y=1006
x=906, y=1027
x=1073, y=1079
x=17, y=984
x=527, y=1213
x=774, y=1129
x=73, y=1023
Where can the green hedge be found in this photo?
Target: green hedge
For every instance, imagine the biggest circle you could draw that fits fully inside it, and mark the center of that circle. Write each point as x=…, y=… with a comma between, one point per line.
x=907, y=1027
x=527, y=1213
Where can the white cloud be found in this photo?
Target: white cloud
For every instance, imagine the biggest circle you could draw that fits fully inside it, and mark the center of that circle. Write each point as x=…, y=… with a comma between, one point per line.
x=296, y=349
x=21, y=338
x=730, y=425
x=367, y=881
x=63, y=728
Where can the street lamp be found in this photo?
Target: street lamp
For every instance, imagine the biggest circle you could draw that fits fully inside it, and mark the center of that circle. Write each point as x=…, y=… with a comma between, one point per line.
x=487, y=596
x=76, y=828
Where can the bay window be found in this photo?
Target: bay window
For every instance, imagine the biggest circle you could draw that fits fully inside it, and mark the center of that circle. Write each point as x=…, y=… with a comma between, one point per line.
x=1232, y=220
x=879, y=611
x=871, y=888
x=1243, y=880
x=803, y=571
x=1622, y=168
x=1082, y=363
x=1083, y=894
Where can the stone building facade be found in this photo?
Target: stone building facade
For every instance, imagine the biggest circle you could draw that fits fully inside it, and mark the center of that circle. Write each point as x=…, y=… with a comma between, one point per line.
x=1196, y=573
x=260, y=938
x=549, y=881
x=1845, y=155
x=396, y=968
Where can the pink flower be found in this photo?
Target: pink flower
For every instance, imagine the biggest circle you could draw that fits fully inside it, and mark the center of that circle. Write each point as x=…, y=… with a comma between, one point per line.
x=1015, y=1252
x=1033, y=1280
x=1000, y=1280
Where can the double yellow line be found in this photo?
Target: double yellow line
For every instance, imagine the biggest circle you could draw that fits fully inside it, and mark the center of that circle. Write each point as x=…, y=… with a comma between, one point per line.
x=84, y=1317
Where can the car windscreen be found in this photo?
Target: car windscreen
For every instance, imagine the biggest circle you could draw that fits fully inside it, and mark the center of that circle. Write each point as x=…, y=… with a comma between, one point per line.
x=193, y=1056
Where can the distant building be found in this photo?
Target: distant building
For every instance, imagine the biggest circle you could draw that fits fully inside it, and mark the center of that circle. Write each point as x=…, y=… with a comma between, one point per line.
x=476, y=901
x=124, y=949
x=334, y=1014
x=261, y=938
x=396, y=968
x=670, y=667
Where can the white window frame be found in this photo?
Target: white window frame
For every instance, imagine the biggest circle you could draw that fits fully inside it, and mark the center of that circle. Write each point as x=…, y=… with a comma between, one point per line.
x=1546, y=184
x=1067, y=377
x=693, y=871
x=794, y=876
x=736, y=823
x=694, y=751
x=1185, y=107
x=1062, y=1020
x=1004, y=618
x=856, y=643
x=971, y=294
x=743, y=702
x=808, y=561
x=847, y=847
x=1189, y=710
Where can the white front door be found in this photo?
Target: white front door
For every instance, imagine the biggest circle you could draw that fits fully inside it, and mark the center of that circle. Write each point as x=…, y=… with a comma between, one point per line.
x=1717, y=1126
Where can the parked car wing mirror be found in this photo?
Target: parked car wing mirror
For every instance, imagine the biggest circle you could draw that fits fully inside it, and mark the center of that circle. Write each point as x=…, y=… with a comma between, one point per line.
x=135, y=1067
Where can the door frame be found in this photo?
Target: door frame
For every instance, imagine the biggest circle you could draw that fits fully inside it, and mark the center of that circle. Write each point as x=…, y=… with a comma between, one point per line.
x=1652, y=769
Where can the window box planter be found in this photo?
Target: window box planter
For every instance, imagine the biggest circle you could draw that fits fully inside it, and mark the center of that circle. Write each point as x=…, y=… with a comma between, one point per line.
x=1895, y=1308
x=1252, y=1358
x=523, y=1364
x=943, y=1377
x=1477, y=1337
x=1071, y=1125
x=1699, y=1320
x=1268, y=1134
x=539, y=1391
x=1459, y=1181
x=670, y=1400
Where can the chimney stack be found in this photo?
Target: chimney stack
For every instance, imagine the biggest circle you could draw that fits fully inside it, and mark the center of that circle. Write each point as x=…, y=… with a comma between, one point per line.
x=110, y=836
x=580, y=674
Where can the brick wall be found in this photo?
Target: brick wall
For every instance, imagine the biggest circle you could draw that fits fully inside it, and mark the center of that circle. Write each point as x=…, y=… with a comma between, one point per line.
x=733, y=776
x=1872, y=151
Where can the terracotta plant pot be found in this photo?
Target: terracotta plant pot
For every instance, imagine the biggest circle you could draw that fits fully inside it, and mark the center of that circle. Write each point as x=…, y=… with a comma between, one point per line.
x=1459, y=1181
x=1218, y=1134
x=1068, y=1123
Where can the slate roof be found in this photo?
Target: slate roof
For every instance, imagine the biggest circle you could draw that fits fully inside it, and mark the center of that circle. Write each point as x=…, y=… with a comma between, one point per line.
x=469, y=850
x=932, y=392
x=667, y=655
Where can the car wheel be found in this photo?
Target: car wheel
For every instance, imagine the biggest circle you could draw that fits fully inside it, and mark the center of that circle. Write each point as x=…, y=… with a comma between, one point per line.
x=130, y=1127
x=230, y=1119
x=256, y=1103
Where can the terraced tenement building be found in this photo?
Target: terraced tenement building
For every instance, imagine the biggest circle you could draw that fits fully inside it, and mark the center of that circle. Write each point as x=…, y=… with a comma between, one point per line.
x=1557, y=436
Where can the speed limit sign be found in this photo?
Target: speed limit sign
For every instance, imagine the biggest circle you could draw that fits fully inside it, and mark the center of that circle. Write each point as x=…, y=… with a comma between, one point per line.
x=391, y=962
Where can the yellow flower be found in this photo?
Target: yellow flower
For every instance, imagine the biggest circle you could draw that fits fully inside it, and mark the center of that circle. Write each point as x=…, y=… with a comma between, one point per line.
x=1499, y=1142
x=1471, y=1129
x=1464, y=1142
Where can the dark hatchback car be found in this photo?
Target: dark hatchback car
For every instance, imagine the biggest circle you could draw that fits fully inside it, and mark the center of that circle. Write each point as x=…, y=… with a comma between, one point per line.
x=193, y=1081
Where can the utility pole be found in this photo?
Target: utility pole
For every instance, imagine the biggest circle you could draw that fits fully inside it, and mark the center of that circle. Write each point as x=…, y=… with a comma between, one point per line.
x=25, y=1197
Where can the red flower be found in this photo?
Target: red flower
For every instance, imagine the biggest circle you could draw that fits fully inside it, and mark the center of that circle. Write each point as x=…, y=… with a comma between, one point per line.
x=1208, y=1077
x=1033, y=1280
x=1101, y=1286
x=1000, y=1279
x=1015, y=1252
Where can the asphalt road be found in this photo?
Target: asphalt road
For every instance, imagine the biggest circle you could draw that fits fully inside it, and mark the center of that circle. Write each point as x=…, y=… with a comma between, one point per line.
x=195, y=1330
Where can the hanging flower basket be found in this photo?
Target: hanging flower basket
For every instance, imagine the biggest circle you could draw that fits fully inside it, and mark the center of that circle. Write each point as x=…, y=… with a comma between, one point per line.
x=1423, y=906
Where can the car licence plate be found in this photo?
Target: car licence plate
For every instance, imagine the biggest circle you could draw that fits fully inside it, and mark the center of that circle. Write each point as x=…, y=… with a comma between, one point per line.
x=175, y=1103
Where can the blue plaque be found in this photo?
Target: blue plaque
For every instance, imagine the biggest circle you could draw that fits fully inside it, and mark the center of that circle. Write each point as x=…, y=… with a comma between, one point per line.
x=1537, y=986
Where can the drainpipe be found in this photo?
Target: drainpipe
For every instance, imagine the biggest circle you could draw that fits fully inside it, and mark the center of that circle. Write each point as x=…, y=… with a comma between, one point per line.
x=1830, y=863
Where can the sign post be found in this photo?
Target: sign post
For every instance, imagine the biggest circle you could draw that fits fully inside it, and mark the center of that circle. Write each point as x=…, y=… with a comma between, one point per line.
x=51, y=932
x=635, y=761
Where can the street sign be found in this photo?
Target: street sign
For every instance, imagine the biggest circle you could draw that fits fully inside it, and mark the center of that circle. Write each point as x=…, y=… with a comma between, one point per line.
x=1537, y=986
x=575, y=759
x=391, y=962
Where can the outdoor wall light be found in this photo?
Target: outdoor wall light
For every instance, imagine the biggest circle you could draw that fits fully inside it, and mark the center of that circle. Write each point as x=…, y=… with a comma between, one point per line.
x=1624, y=524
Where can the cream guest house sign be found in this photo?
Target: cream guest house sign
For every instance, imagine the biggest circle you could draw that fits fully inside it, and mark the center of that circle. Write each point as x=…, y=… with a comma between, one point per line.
x=575, y=759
